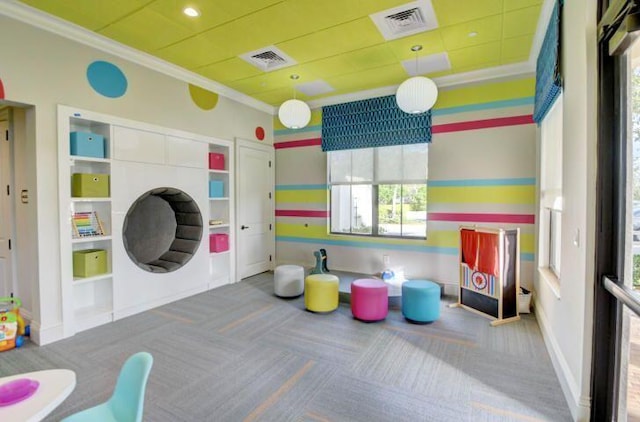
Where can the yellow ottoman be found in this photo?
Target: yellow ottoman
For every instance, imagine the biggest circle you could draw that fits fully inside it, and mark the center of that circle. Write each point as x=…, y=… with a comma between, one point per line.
x=321, y=292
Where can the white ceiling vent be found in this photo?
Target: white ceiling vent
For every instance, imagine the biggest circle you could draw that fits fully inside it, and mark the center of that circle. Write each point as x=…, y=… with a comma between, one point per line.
x=427, y=64
x=314, y=88
x=405, y=20
x=268, y=58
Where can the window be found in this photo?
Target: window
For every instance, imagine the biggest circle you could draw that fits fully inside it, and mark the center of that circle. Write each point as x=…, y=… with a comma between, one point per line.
x=551, y=189
x=379, y=191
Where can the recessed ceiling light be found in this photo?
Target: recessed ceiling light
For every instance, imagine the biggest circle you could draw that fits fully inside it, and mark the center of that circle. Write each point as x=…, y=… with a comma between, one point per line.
x=473, y=34
x=191, y=12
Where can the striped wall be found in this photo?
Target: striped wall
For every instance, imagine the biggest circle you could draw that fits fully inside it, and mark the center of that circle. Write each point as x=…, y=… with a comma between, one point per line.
x=482, y=171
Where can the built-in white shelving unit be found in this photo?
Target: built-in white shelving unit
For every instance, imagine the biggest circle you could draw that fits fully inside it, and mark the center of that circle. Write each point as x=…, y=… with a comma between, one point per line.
x=136, y=153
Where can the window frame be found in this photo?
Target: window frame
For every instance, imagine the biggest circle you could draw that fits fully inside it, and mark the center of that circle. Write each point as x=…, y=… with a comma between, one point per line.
x=375, y=201
x=551, y=197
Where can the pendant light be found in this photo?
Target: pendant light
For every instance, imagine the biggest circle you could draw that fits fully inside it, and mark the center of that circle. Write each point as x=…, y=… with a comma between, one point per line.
x=294, y=114
x=417, y=94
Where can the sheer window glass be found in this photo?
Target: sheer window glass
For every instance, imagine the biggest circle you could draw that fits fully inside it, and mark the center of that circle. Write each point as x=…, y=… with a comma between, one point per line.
x=379, y=191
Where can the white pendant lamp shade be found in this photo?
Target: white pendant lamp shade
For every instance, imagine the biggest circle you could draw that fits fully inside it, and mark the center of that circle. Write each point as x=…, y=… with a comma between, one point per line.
x=294, y=114
x=416, y=95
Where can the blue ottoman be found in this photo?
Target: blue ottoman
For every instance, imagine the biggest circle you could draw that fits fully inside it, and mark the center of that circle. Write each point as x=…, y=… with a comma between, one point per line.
x=420, y=301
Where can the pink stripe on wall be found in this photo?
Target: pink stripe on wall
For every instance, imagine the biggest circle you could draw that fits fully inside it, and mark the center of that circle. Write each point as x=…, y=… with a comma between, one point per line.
x=482, y=218
x=483, y=124
x=302, y=213
x=300, y=143
x=443, y=128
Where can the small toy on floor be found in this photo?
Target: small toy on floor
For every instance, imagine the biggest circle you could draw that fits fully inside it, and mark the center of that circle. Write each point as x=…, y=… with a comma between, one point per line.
x=12, y=326
x=321, y=262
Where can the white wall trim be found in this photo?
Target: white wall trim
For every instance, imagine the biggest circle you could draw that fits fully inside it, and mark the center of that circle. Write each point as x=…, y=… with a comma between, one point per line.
x=133, y=310
x=541, y=29
x=42, y=336
x=579, y=405
x=42, y=20
x=459, y=80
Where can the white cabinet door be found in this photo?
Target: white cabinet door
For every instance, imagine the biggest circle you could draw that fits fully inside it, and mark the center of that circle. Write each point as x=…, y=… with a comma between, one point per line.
x=186, y=152
x=138, y=145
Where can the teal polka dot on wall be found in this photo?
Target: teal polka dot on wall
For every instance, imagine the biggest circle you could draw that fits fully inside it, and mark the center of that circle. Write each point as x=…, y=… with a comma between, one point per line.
x=107, y=79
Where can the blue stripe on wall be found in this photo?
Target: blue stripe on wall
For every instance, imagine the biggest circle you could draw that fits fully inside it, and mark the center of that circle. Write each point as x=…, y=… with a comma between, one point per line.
x=370, y=245
x=315, y=128
x=302, y=187
x=484, y=106
x=524, y=181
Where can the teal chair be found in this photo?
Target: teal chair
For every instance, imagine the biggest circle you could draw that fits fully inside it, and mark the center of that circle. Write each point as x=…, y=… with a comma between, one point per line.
x=127, y=402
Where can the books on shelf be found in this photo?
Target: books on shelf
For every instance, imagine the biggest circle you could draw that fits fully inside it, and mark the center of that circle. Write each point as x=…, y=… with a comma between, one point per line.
x=86, y=224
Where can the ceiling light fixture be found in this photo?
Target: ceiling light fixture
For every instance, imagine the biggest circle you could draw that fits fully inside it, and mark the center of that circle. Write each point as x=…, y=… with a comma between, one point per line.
x=191, y=12
x=294, y=114
x=417, y=94
x=473, y=34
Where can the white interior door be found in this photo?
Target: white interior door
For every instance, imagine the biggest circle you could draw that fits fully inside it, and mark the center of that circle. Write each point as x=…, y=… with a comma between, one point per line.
x=6, y=213
x=255, y=209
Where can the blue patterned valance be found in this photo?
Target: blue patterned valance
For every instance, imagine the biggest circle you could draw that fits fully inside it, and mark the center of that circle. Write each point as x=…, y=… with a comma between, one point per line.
x=376, y=122
x=548, y=78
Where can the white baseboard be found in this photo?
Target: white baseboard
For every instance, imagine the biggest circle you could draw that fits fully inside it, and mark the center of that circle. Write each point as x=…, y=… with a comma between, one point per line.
x=42, y=336
x=579, y=405
x=132, y=310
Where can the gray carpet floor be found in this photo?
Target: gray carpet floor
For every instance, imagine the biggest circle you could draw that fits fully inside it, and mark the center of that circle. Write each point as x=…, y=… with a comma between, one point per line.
x=238, y=353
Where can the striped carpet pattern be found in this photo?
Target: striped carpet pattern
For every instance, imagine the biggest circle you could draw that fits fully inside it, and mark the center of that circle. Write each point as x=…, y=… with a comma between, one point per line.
x=238, y=353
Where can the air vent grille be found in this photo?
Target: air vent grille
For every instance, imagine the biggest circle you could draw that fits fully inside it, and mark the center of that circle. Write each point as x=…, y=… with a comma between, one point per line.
x=268, y=58
x=405, y=20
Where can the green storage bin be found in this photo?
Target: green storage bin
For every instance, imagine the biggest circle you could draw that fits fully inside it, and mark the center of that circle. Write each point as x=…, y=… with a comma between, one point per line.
x=89, y=262
x=90, y=185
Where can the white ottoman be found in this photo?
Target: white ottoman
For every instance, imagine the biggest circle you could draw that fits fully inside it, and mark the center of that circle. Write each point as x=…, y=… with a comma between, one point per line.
x=288, y=280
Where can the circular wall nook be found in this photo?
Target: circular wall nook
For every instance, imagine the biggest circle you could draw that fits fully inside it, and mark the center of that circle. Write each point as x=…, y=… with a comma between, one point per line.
x=162, y=230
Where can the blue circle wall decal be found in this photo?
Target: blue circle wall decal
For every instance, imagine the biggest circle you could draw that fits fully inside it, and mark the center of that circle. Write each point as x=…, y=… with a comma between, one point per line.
x=107, y=79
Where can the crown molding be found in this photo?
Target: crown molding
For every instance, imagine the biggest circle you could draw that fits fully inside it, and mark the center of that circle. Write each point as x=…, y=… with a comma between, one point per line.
x=44, y=21
x=31, y=16
x=459, y=80
x=354, y=96
x=491, y=74
x=541, y=29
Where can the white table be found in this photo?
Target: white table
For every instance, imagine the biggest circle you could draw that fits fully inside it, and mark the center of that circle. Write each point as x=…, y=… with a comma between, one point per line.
x=55, y=386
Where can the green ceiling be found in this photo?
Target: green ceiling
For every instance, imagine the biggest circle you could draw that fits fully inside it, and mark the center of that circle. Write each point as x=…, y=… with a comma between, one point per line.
x=331, y=40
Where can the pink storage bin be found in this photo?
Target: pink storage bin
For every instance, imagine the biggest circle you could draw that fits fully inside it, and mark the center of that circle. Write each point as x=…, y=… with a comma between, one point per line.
x=216, y=161
x=218, y=242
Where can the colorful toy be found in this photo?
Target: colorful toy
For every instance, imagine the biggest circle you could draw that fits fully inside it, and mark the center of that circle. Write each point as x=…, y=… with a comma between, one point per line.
x=12, y=326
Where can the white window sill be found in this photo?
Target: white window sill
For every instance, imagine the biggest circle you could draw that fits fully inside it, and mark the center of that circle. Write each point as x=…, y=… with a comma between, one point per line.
x=551, y=280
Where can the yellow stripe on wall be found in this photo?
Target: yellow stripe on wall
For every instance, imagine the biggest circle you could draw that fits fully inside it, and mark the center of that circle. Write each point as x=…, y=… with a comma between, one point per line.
x=482, y=194
x=439, y=238
x=316, y=119
x=316, y=196
x=486, y=93
x=450, y=194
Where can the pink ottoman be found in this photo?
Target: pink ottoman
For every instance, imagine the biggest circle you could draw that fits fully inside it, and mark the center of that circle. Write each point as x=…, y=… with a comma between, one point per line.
x=369, y=299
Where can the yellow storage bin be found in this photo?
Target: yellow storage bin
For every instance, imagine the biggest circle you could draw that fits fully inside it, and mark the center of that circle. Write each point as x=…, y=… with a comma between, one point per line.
x=89, y=262
x=90, y=185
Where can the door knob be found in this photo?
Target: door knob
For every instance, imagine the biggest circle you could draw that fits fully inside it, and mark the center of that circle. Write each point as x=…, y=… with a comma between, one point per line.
x=243, y=227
